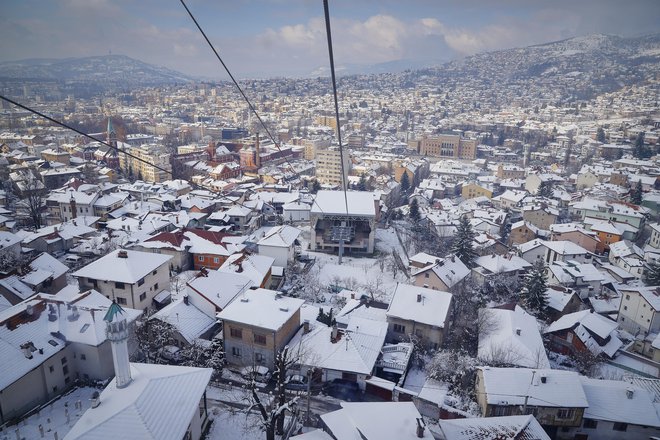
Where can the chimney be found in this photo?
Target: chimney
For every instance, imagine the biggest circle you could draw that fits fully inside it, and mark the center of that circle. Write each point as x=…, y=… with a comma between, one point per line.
x=29, y=310
x=96, y=399
x=420, y=428
x=334, y=333
x=518, y=330
x=72, y=204
x=185, y=300
x=419, y=297
x=306, y=326
x=122, y=254
x=544, y=379
x=630, y=393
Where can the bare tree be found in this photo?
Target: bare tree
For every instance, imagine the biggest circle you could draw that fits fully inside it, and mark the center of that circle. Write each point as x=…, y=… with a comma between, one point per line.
x=32, y=203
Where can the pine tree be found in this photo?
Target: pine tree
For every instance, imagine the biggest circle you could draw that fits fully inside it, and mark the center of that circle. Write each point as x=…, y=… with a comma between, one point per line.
x=600, y=135
x=415, y=216
x=636, y=193
x=463, y=246
x=316, y=186
x=545, y=190
x=638, y=149
x=405, y=182
x=534, y=291
x=653, y=274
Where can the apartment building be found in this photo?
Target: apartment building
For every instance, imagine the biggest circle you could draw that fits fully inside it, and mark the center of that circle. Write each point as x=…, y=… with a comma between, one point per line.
x=329, y=166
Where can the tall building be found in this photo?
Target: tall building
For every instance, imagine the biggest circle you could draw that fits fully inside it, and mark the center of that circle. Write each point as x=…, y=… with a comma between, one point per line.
x=329, y=167
x=446, y=145
x=147, y=163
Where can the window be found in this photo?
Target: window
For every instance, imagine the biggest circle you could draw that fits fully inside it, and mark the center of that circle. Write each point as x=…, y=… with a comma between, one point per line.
x=83, y=357
x=620, y=426
x=259, y=339
x=200, y=258
x=235, y=351
x=216, y=260
x=259, y=358
x=140, y=281
x=119, y=285
x=625, y=307
x=64, y=360
x=65, y=370
x=398, y=328
x=154, y=272
x=426, y=275
x=236, y=333
x=143, y=296
x=51, y=369
x=590, y=424
x=156, y=286
x=565, y=413
x=121, y=301
x=627, y=296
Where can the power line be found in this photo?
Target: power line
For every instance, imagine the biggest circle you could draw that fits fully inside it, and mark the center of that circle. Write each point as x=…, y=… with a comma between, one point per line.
x=139, y=159
x=334, y=93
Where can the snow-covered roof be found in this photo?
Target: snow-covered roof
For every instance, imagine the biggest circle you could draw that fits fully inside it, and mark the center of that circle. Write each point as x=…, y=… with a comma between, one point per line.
x=618, y=401
x=129, y=270
x=8, y=239
x=262, y=308
x=219, y=288
x=606, y=227
x=510, y=386
x=502, y=264
x=280, y=236
x=431, y=309
x=569, y=271
x=585, y=323
x=19, y=328
x=488, y=428
x=145, y=408
x=189, y=321
x=355, y=350
x=512, y=337
x=360, y=203
x=558, y=297
x=256, y=267
x=375, y=420
x=565, y=247
x=450, y=270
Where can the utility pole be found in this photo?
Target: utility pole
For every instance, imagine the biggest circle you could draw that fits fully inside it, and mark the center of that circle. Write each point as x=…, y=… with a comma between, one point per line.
x=309, y=392
x=527, y=393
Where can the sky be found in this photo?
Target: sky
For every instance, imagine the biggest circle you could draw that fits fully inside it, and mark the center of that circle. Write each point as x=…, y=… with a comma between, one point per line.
x=287, y=37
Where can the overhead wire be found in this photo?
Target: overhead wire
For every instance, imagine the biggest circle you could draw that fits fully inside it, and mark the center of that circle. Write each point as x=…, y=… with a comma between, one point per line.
x=120, y=150
x=344, y=177
x=240, y=90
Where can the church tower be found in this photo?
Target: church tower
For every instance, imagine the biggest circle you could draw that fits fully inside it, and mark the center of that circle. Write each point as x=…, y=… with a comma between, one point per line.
x=117, y=332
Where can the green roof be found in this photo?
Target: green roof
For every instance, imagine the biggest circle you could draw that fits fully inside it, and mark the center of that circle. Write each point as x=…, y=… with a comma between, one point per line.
x=113, y=310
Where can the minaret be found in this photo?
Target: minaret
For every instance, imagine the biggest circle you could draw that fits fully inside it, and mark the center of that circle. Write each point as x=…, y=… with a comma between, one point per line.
x=117, y=332
x=111, y=138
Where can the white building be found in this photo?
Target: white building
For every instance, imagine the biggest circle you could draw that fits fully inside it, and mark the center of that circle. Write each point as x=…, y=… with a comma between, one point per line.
x=131, y=278
x=279, y=243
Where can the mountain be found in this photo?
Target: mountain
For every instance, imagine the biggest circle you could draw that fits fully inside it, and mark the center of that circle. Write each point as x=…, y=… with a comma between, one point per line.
x=567, y=70
x=108, y=71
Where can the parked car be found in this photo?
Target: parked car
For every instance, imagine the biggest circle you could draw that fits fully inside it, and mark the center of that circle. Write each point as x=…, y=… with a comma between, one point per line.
x=170, y=352
x=258, y=372
x=343, y=389
x=296, y=382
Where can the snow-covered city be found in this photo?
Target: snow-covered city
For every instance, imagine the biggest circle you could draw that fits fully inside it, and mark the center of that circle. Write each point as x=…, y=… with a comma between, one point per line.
x=457, y=244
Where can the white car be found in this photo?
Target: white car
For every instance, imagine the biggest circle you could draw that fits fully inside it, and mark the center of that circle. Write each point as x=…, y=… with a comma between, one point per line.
x=258, y=372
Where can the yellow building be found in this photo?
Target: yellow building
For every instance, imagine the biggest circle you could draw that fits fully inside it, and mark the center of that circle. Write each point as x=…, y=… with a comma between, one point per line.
x=473, y=190
x=148, y=162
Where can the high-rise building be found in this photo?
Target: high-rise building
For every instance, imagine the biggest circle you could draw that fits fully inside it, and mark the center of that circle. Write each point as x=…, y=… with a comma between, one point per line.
x=149, y=162
x=329, y=166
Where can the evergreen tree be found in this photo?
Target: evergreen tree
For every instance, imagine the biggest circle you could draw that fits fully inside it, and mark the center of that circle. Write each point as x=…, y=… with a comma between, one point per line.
x=415, y=216
x=636, y=193
x=638, y=149
x=362, y=184
x=534, y=291
x=545, y=190
x=463, y=246
x=653, y=274
x=316, y=186
x=405, y=183
x=600, y=135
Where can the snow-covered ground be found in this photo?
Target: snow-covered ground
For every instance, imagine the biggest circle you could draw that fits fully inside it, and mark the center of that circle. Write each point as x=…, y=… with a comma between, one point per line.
x=53, y=417
x=229, y=424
